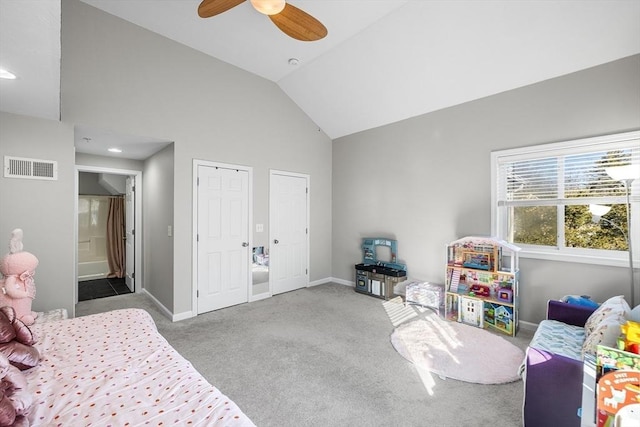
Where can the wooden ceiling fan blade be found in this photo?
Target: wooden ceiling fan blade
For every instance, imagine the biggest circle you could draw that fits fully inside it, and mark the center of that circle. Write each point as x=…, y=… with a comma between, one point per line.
x=299, y=24
x=209, y=8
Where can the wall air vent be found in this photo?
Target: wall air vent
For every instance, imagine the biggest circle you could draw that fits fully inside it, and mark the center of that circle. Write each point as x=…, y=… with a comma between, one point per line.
x=20, y=167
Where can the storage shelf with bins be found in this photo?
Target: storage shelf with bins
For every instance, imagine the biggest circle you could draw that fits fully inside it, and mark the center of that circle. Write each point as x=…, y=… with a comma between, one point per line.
x=481, y=283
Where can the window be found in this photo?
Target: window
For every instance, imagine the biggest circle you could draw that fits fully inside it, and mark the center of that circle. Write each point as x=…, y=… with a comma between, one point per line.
x=541, y=197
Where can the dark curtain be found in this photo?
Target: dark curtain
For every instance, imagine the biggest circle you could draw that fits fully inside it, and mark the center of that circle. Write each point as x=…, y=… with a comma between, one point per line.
x=116, y=237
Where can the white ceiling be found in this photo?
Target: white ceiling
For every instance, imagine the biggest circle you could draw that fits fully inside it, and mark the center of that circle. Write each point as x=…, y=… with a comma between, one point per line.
x=90, y=140
x=30, y=48
x=382, y=61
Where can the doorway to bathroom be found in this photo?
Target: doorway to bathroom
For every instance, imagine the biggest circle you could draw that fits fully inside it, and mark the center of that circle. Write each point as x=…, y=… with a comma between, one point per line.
x=108, y=213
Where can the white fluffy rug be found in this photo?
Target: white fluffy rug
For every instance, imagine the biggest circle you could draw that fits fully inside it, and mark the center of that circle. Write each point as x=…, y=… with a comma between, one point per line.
x=458, y=351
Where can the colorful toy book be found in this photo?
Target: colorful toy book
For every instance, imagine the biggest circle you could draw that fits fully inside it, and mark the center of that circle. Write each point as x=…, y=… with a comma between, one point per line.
x=618, y=389
x=619, y=399
x=609, y=359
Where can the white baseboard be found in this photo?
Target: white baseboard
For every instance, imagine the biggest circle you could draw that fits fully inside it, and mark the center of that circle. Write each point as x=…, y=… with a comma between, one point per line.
x=167, y=312
x=343, y=282
x=182, y=316
x=528, y=326
x=331, y=280
x=189, y=314
x=319, y=282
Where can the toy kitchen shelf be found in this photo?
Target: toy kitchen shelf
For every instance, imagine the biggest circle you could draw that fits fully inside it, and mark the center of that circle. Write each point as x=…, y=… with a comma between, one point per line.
x=481, y=283
x=377, y=277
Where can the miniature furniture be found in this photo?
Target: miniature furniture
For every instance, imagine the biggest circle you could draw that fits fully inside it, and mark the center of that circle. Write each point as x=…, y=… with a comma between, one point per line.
x=376, y=276
x=482, y=283
x=553, y=369
x=378, y=280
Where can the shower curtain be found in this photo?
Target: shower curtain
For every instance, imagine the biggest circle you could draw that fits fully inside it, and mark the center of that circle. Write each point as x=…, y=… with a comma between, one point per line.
x=116, y=237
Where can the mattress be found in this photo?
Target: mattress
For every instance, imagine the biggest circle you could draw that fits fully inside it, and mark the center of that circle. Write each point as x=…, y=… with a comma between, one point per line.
x=115, y=369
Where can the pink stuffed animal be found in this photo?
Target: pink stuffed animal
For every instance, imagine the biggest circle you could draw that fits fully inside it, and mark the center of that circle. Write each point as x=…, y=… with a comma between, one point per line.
x=17, y=287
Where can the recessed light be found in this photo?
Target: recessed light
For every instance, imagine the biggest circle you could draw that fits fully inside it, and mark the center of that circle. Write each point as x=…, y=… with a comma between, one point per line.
x=293, y=61
x=115, y=150
x=4, y=74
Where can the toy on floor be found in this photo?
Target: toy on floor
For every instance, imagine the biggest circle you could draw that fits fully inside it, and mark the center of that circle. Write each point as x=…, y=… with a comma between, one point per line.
x=17, y=285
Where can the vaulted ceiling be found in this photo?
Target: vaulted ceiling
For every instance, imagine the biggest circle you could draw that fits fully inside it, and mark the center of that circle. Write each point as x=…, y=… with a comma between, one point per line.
x=382, y=61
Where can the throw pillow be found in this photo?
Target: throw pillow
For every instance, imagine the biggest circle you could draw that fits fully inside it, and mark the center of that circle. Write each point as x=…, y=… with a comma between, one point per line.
x=614, y=306
x=606, y=333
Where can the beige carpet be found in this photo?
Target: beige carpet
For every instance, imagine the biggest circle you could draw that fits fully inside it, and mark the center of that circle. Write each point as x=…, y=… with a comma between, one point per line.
x=458, y=351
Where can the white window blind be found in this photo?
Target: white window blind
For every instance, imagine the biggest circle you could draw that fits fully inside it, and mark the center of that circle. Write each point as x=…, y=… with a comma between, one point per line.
x=559, y=177
x=541, y=194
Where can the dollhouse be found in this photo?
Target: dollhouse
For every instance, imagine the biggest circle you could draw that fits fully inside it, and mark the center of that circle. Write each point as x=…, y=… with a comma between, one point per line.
x=481, y=283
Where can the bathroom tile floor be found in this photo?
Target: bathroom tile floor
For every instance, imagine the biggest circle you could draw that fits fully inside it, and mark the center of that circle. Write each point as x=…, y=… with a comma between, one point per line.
x=101, y=288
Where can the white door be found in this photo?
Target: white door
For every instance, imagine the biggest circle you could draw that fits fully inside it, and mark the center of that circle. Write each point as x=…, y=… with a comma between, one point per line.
x=130, y=215
x=222, y=237
x=288, y=231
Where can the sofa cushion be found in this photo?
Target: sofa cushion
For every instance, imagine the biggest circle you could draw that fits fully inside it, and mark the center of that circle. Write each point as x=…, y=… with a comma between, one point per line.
x=613, y=307
x=559, y=338
x=605, y=333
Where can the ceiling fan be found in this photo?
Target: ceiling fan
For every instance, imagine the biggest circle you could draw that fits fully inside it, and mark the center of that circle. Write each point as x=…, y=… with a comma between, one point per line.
x=292, y=21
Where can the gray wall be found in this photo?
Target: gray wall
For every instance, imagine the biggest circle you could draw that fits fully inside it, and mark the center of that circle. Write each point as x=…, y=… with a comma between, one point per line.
x=426, y=181
x=43, y=209
x=101, y=184
x=118, y=76
x=88, y=185
x=158, y=213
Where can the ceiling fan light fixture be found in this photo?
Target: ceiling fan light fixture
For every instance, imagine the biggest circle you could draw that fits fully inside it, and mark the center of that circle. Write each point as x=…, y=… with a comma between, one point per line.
x=268, y=7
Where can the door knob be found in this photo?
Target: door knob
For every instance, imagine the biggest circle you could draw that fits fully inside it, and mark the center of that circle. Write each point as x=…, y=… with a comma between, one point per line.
x=276, y=241
x=245, y=244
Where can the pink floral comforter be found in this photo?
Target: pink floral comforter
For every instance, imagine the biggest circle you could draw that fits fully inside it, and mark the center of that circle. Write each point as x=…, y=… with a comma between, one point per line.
x=115, y=369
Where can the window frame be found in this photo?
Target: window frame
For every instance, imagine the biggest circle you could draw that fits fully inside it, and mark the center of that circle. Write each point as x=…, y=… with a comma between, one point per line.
x=499, y=214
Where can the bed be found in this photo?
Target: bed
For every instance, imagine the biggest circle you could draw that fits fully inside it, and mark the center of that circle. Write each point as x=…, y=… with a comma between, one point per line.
x=115, y=369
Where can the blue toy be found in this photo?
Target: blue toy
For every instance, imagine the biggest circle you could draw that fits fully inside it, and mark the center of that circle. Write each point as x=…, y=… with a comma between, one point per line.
x=369, y=256
x=584, y=300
